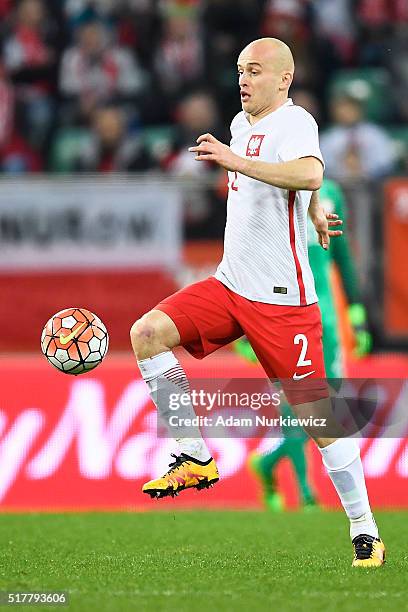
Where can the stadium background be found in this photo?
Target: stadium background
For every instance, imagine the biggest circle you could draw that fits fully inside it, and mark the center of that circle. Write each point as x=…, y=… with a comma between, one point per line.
x=101, y=207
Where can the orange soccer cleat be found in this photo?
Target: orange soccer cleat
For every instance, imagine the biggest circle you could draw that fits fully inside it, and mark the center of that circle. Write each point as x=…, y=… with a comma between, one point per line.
x=368, y=551
x=184, y=473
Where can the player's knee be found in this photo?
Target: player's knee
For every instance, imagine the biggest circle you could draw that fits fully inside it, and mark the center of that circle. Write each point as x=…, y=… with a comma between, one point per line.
x=143, y=335
x=150, y=336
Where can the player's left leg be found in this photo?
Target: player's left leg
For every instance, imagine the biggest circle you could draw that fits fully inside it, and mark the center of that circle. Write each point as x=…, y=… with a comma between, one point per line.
x=341, y=458
x=365, y=522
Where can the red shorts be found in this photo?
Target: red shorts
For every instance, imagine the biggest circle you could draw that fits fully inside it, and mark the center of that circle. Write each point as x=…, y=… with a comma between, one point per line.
x=286, y=339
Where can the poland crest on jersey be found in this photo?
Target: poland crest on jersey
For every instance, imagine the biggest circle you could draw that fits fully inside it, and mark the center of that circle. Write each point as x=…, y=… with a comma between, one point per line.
x=254, y=145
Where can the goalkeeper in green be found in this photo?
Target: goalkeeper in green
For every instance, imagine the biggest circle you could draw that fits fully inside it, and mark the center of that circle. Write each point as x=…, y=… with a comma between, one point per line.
x=293, y=441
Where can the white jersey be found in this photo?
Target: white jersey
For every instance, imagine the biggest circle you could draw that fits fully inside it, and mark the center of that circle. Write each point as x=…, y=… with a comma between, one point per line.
x=265, y=246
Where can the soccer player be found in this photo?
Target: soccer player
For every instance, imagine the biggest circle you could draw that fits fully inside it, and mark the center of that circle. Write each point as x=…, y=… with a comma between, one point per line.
x=292, y=443
x=263, y=287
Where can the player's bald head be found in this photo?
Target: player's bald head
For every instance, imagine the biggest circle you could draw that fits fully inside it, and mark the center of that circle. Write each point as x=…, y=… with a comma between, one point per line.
x=265, y=69
x=269, y=51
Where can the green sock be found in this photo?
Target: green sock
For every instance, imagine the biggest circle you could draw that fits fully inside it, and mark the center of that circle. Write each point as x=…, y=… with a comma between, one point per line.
x=296, y=453
x=266, y=465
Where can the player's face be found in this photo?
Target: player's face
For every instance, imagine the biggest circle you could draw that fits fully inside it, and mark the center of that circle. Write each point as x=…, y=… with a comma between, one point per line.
x=260, y=84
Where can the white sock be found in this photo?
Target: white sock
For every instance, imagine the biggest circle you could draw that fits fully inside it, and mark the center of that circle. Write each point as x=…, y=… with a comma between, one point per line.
x=343, y=464
x=364, y=524
x=164, y=376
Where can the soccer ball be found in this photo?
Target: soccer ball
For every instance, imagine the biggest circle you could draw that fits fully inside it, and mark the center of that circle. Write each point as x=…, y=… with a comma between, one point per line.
x=74, y=341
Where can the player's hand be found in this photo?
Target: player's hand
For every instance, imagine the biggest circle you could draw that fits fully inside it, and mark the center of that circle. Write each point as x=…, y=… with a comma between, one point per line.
x=323, y=222
x=333, y=220
x=210, y=149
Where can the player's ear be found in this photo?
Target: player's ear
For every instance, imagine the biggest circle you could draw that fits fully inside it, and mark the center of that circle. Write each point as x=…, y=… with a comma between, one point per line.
x=286, y=80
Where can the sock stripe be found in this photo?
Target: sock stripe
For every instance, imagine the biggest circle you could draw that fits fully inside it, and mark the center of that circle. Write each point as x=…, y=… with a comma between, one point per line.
x=176, y=370
x=178, y=377
x=163, y=374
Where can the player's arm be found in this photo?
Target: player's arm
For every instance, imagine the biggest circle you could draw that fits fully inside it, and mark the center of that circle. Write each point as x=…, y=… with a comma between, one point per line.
x=304, y=173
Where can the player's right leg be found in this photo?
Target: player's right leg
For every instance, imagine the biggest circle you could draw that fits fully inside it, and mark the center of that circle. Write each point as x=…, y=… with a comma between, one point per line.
x=153, y=337
x=198, y=319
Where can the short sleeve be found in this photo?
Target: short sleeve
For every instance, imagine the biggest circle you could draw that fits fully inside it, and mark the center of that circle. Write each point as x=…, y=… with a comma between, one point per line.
x=301, y=138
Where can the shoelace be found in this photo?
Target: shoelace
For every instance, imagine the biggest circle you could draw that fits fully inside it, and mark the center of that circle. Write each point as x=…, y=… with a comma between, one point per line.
x=179, y=460
x=363, y=546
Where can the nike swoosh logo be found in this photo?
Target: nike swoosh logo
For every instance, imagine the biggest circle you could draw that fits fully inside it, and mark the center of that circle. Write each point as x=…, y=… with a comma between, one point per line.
x=299, y=376
x=65, y=339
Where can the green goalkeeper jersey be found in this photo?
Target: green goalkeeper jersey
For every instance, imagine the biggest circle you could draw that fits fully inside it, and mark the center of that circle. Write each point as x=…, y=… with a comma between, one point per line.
x=332, y=200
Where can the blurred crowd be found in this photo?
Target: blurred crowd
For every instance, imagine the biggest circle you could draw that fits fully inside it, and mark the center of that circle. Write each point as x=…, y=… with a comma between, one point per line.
x=127, y=85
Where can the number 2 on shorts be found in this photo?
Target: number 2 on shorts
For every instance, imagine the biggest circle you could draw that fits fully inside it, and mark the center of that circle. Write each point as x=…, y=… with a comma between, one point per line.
x=301, y=339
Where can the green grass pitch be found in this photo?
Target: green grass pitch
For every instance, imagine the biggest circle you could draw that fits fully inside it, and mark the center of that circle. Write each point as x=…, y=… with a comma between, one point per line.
x=201, y=561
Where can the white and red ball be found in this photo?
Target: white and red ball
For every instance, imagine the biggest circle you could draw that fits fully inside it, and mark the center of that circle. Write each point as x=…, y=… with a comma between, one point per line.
x=74, y=341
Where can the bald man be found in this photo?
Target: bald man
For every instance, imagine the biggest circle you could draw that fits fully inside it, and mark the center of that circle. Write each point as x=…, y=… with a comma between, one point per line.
x=263, y=288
